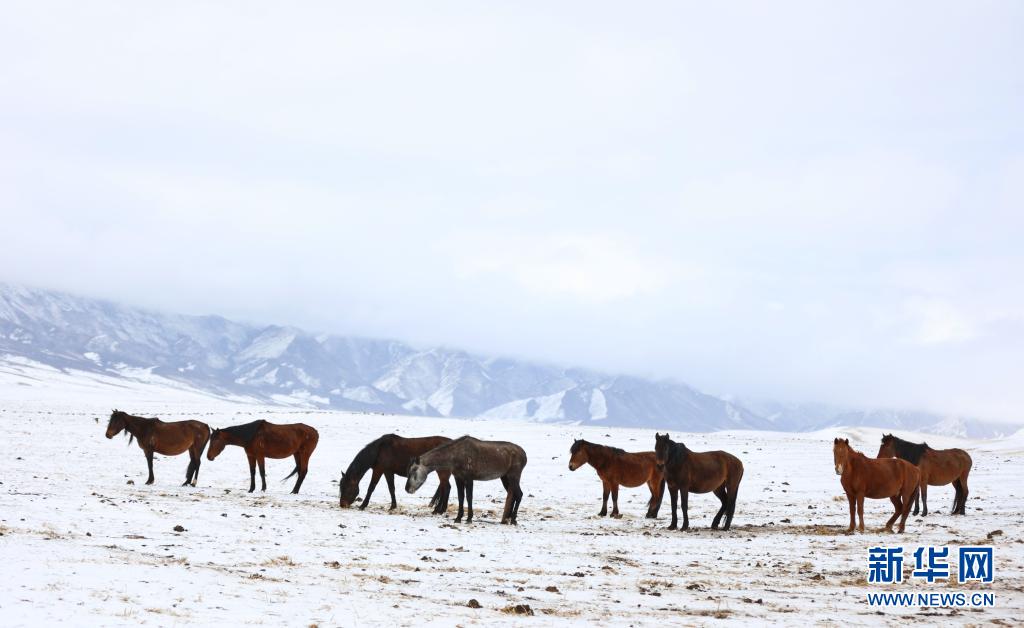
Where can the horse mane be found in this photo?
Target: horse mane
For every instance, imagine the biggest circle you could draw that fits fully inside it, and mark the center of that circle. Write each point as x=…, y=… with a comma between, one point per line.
x=366, y=457
x=676, y=451
x=911, y=452
x=607, y=448
x=246, y=432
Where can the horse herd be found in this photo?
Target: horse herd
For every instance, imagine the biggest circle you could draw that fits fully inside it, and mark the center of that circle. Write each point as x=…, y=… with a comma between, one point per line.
x=901, y=471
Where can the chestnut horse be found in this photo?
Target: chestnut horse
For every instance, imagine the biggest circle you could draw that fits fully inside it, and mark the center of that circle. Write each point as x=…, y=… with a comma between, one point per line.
x=938, y=468
x=616, y=467
x=875, y=478
x=389, y=456
x=698, y=472
x=261, y=440
x=167, y=439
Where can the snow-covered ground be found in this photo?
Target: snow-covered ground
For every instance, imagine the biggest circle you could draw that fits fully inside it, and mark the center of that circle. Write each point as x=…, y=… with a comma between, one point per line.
x=84, y=541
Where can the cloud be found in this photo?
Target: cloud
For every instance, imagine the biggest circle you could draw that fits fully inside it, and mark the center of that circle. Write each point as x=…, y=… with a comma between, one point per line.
x=586, y=267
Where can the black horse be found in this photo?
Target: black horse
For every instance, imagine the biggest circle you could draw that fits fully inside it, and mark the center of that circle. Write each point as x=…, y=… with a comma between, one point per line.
x=389, y=456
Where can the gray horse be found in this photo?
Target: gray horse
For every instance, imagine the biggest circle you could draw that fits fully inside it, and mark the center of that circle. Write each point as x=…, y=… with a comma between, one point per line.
x=469, y=459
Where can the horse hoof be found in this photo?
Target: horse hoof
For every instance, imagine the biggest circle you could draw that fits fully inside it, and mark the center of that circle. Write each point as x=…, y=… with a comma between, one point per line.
x=458, y=519
x=672, y=527
x=616, y=515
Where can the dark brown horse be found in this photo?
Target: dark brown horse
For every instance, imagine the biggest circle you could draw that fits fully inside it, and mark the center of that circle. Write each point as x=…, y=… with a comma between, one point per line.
x=938, y=468
x=389, y=456
x=167, y=439
x=698, y=472
x=616, y=467
x=469, y=459
x=876, y=479
x=261, y=440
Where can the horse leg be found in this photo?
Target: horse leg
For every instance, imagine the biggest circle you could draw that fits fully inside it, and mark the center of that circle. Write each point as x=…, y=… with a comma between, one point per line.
x=684, y=505
x=444, y=488
x=850, y=497
x=460, y=487
x=963, y=495
x=469, y=501
x=731, y=510
x=606, y=489
x=519, y=500
x=188, y=472
x=390, y=477
x=897, y=503
x=654, y=505
x=149, y=463
x=673, y=495
x=615, y=502
x=369, y=489
x=199, y=461
x=956, y=496
x=860, y=510
x=724, y=498
x=907, y=497
x=924, y=498
x=510, y=499
x=263, y=471
x=252, y=472
x=303, y=465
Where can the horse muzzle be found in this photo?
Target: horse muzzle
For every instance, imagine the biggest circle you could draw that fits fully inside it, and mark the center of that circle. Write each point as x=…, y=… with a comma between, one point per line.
x=572, y=467
x=839, y=469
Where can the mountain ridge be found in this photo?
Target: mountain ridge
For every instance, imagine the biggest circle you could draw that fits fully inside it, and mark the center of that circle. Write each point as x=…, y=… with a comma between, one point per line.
x=287, y=365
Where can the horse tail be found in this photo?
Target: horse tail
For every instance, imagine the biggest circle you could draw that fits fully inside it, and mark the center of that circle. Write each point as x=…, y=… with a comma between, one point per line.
x=296, y=470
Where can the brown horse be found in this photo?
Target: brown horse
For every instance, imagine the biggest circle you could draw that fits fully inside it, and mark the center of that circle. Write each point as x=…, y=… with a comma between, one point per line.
x=389, y=456
x=167, y=439
x=938, y=468
x=469, y=459
x=261, y=440
x=877, y=479
x=698, y=472
x=616, y=467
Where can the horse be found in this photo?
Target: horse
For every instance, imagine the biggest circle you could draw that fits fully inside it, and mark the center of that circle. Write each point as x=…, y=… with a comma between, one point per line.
x=689, y=471
x=167, y=439
x=938, y=468
x=261, y=440
x=616, y=467
x=876, y=478
x=389, y=456
x=469, y=459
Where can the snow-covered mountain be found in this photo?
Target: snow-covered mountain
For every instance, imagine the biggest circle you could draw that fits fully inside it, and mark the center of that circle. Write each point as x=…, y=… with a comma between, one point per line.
x=289, y=366
x=800, y=417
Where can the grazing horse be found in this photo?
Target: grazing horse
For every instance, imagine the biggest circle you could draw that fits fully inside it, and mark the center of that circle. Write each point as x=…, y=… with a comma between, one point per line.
x=938, y=468
x=389, y=456
x=877, y=479
x=167, y=439
x=469, y=459
x=698, y=472
x=616, y=467
x=261, y=440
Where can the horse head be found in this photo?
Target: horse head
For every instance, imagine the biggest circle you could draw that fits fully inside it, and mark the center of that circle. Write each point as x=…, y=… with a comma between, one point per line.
x=662, y=447
x=348, y=489
x=841, y=454
x=577, y=454
x=117, y=423
x=416, y=475
x=217, y=444
x=888, y=447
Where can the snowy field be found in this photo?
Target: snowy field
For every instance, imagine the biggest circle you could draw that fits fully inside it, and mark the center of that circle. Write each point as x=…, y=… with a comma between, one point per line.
x=85, y=542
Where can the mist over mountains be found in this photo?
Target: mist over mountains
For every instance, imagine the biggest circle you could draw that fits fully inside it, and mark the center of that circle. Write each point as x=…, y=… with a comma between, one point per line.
x=289, y=366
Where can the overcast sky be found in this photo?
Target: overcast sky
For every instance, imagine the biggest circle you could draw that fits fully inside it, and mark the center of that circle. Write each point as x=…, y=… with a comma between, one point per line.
x=808, y=202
